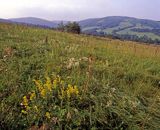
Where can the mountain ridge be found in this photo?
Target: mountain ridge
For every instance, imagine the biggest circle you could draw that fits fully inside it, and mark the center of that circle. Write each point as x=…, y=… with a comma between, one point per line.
x=57, y=21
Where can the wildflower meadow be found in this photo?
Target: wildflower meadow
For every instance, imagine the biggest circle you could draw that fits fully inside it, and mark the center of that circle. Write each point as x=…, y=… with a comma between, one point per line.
x=76, y=82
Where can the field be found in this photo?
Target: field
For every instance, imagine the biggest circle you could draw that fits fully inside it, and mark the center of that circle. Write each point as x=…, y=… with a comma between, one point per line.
x=56, y=80
x=123, y=27
x=128, y=30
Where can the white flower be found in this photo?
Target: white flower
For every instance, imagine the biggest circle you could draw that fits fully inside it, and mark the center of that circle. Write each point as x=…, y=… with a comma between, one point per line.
x=113, y=90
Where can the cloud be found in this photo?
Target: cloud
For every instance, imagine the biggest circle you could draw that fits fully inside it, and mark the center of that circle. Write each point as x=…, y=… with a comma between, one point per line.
x=79, y=9
x=68, y=10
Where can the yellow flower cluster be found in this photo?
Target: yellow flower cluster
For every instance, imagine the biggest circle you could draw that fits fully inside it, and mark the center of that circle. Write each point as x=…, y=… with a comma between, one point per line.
x=69, y=92
x=25, y=104
x=44, y=88
x=38, y=84
x=48, y=86
x=72, y=90
x=57, y=81
x=25, y=101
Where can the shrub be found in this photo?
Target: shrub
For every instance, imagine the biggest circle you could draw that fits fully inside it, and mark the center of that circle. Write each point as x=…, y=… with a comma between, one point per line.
x=70, y=27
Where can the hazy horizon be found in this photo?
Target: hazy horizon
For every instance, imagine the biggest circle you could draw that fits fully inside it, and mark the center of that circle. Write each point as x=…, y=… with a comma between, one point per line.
x=73, y=10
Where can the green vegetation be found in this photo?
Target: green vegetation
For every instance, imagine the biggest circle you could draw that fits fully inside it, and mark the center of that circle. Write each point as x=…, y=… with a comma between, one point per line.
x=57, y=80
x=70, y=27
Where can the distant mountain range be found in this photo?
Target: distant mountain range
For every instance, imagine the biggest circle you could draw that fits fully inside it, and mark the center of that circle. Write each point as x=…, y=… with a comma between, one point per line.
x=37, y=21
x=117, y=26
x=123, y=27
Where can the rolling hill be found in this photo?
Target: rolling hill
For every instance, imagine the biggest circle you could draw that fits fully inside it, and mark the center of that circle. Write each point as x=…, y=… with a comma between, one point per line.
x=120, y=26
x=35, y=21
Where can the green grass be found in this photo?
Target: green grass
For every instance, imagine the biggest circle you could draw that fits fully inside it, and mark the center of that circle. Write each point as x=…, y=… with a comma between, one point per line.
x=139, y=34
x=118, y=81
x=128, y=30
x=121, y=26
x=142, y=26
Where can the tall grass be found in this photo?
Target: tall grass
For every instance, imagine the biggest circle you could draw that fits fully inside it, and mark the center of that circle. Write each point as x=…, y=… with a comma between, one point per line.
x=118, y=81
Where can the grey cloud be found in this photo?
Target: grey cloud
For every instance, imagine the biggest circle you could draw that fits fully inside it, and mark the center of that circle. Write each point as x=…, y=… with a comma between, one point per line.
x=94, y=8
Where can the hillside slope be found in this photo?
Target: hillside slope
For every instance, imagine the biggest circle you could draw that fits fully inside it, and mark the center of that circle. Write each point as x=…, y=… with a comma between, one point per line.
x=58, y=80
x=117, y=25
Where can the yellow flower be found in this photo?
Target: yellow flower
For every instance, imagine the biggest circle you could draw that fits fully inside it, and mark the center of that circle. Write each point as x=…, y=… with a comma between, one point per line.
x=32, y=96
x=69, y=91
x=24, y=112
x=48, y=84
x=38, y=84
x=25, y=101
x=55, y=83
x=72, y=91
x=48, y=115
x=43, y=93
x=76, y=90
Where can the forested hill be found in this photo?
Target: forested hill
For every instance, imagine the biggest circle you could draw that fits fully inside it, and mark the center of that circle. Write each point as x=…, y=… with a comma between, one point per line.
x=123, y=27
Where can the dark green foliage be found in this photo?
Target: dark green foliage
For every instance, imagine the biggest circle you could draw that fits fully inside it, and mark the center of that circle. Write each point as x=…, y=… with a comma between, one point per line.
x=72, y=27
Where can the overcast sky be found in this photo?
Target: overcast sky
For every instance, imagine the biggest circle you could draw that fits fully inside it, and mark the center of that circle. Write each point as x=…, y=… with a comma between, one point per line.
x=79, y=9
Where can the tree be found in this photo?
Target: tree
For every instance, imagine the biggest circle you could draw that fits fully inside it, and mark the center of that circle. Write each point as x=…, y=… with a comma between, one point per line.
x=61, y=26
x=73, y=28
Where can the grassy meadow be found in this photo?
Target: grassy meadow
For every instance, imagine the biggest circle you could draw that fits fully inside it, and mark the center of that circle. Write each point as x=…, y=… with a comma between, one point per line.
x=56, y=80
